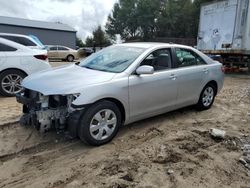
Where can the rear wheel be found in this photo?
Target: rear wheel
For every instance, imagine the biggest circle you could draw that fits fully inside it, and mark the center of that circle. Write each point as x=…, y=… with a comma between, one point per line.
x=207, y=97
x=100, y=123
x=70, y=58
x=10, y=82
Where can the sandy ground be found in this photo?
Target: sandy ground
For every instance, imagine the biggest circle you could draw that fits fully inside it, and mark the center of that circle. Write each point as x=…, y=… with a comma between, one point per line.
x=171, y=150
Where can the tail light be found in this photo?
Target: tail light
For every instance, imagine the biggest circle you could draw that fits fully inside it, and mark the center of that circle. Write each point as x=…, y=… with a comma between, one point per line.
x=223, y=69
x=41, y=57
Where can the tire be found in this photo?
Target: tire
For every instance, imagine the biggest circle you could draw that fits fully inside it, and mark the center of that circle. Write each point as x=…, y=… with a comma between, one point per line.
x=207, y=97
x=10, y=82
x=70, y=58
x=94, y=117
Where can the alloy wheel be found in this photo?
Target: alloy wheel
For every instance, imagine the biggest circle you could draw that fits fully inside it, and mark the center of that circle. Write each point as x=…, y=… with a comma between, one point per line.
x=11, y=83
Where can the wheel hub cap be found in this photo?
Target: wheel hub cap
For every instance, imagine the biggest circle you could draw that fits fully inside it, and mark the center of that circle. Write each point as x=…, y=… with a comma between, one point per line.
x=103, y=124
x=208, y=96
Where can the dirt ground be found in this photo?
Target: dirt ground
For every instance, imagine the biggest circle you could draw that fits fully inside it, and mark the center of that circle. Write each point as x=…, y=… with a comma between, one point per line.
x=171, y=150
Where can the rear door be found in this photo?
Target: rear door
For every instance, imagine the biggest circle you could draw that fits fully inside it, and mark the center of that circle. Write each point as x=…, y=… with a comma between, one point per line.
x=192, y=72
x=2, y=55
x=9, y=57
x=52, y=52
x=62, y=52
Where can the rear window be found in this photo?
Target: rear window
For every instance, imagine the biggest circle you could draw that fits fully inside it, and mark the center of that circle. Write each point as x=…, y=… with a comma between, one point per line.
x=21, y=40
x=26, y=42
x=62, y=48
x=54, y=48
x=5, y=48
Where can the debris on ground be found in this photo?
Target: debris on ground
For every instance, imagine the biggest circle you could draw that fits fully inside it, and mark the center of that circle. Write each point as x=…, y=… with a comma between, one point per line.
x=217, y=133
x=245, y=158
x=169, y=172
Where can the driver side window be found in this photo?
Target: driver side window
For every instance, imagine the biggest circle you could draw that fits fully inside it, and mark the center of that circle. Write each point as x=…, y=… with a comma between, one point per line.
x=159, y=59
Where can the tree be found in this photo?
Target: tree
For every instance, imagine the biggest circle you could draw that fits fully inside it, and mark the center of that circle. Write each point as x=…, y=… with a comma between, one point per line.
x=99, y=38
x=123, y=20
x=148, y=12
x=89, y=42
x=147, y=19
x=79, y=42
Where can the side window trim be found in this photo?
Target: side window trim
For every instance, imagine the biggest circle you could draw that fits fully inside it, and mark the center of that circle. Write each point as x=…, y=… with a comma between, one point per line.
x=9, y=48
x=171, y=57
x=53, y=47
x=176, y=58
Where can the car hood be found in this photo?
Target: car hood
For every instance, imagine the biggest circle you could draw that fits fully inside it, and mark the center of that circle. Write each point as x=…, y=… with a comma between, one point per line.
x=70, y=79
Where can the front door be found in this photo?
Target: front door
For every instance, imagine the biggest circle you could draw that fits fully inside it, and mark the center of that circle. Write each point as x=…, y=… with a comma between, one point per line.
x=155, y=93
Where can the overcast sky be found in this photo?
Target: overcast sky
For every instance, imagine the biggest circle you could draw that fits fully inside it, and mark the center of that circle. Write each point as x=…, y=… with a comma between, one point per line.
x=83, y=15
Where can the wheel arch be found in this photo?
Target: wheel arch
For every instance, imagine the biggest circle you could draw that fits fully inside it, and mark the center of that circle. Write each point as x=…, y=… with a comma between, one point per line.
x=119, y=105
x=214, y=83
x=14, y=69
x=70, y=55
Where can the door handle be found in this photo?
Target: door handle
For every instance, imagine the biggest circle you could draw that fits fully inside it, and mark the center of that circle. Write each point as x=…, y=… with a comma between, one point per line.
x=205, y=70
x=172, y=77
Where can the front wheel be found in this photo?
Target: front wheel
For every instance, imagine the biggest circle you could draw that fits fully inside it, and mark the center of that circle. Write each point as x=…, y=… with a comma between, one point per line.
x=100, y=123
x=207, y=97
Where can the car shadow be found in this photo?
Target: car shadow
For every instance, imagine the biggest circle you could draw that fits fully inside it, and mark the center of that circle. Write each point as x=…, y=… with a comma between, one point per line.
x=155, y=120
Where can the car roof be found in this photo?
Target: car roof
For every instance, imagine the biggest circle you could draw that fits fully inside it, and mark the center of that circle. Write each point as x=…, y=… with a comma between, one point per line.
x=13, y=34
x=24, y=36
x=57, y=46
x=148, y=45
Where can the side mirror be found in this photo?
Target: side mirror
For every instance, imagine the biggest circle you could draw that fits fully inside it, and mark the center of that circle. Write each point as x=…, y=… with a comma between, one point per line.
x=145, y=69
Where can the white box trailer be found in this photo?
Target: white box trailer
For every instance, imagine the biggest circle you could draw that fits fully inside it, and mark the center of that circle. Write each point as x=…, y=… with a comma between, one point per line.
x=224, y=28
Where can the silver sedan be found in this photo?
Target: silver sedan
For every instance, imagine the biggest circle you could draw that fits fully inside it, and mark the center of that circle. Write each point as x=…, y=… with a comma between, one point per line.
x=119, y=85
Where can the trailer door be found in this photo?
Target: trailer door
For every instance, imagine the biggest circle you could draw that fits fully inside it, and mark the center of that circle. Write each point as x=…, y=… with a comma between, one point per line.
x=217, y=23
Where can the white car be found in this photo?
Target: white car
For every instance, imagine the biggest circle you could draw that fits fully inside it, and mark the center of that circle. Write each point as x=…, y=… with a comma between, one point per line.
x=16, y=62
x=29, y=41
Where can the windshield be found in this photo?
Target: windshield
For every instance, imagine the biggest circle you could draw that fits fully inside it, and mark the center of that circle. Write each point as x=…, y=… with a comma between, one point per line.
x=112, y=59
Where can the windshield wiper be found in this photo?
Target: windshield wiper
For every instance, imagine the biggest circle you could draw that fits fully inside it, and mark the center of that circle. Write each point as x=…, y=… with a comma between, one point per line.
x=87, y=67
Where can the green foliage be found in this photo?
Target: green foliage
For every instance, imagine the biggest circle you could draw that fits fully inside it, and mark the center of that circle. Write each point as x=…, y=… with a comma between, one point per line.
x=89, y=42
x=99, y=38
x=79, y=42
x=147, y=19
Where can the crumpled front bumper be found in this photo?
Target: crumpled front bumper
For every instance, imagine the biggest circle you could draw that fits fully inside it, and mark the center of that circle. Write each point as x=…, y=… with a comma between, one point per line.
x=20, y=98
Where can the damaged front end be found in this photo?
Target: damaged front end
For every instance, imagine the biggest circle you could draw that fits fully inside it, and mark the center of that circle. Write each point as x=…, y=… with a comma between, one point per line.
x=45, y=112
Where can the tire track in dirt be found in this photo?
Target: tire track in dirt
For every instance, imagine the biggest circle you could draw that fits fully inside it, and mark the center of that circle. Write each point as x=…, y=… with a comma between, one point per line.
x=43, y=146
